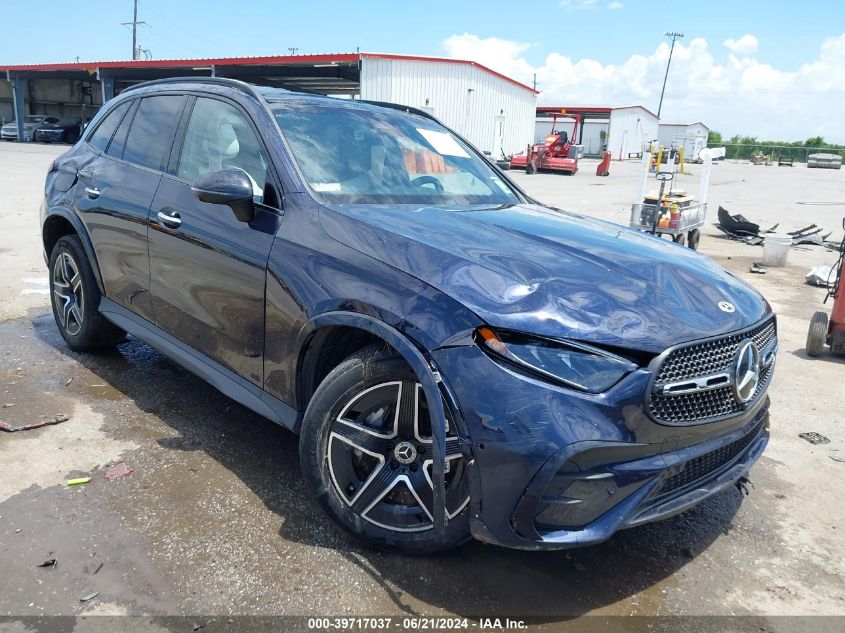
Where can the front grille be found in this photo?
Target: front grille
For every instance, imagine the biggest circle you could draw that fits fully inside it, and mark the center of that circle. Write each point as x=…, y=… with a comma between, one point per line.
x=703, y=359
x=700, y=467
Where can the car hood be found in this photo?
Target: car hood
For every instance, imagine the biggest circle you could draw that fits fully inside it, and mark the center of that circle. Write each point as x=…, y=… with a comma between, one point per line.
x=554, y=273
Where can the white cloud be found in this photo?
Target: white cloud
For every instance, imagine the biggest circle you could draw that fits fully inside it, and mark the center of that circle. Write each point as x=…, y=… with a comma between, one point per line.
x=745, y=45
x=615, y=5
x=577, y=4
x=740, y=95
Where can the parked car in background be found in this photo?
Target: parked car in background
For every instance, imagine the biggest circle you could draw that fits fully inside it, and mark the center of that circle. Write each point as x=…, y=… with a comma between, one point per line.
x=66, y=130
x=9, y=132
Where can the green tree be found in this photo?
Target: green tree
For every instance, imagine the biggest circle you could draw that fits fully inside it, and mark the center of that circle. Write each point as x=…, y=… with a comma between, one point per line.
x=714, y=138
x=815, y=141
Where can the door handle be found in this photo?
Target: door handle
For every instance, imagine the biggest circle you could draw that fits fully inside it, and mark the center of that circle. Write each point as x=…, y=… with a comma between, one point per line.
x=169, y=219
x=92, y=192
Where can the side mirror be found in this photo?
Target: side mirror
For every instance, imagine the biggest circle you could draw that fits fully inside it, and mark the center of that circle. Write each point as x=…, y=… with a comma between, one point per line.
x=231, y=187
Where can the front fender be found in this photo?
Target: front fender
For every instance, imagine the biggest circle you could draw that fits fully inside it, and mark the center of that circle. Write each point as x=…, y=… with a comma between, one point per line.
x=429, y=378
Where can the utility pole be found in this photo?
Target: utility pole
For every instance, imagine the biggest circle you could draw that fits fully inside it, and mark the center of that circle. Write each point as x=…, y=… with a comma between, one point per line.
x=674, y=36
x=134, y=23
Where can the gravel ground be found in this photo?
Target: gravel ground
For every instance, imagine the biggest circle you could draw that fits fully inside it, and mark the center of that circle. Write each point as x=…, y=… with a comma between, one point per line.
x=215, y=519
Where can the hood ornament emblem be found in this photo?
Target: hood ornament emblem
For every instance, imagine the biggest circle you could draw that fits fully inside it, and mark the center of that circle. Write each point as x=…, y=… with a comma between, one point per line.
x=726, y=306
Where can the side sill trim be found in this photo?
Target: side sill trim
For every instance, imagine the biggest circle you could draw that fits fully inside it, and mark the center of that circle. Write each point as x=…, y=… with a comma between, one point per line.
x=225, y=380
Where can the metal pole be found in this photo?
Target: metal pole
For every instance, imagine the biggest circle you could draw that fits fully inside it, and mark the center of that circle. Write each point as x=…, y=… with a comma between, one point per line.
x=134, y=23
x=674, y=36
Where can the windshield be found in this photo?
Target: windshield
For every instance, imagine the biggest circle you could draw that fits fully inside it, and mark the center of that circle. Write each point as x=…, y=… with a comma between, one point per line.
x=70, y=121
x=34, y=119
x=373, y=155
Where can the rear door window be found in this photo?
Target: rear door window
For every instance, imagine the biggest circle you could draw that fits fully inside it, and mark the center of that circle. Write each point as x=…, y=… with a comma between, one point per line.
x=104, y=131
x=151, y=135
x=118, y=141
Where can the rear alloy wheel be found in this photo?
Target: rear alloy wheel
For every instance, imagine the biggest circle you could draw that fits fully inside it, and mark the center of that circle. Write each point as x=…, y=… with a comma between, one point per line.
x=75, y=298
x=366, y=452
x=68, y=293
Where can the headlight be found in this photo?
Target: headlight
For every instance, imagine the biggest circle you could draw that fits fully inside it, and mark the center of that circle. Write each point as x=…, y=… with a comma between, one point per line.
x=566, y=362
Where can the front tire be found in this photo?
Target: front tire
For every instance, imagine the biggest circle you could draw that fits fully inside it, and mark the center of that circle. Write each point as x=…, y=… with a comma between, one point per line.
x=75, y=298
x=365, y=450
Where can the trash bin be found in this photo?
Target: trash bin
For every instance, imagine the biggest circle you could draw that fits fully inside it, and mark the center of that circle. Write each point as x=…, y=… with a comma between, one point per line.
x=776, y=248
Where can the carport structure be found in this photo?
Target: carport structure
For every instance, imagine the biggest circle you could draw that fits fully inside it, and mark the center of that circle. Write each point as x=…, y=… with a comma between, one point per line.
x=494, y=112
x=64, y=88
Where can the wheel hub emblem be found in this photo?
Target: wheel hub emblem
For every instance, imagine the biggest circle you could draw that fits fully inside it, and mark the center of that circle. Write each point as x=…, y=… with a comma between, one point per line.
x=405, y=452
x=746, y=371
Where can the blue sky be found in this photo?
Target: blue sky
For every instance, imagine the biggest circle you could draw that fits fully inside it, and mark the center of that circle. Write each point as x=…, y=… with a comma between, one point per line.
x=604, y=42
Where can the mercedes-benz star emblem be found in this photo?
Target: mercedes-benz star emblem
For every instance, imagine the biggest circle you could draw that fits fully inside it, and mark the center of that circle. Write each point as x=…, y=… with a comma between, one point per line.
x=746, y=373
x=405, y=452
x=726, y=306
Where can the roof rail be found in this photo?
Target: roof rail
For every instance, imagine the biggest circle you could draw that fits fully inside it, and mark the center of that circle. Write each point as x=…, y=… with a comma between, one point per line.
x=219, y=81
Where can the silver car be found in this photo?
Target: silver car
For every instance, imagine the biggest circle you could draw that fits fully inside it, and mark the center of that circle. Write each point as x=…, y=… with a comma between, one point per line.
x=9, y=132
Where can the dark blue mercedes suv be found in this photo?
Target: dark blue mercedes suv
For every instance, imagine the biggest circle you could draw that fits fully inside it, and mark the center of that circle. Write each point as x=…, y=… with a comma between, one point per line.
x=458, y=359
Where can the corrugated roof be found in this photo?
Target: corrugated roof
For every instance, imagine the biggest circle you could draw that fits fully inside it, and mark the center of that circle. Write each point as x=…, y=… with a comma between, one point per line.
x=326, y=58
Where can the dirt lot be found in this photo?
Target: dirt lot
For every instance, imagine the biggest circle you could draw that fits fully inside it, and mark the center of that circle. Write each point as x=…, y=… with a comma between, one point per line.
x=215, y=519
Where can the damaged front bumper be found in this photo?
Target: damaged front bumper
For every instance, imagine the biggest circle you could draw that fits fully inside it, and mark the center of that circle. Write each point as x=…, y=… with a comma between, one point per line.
x=552, y=468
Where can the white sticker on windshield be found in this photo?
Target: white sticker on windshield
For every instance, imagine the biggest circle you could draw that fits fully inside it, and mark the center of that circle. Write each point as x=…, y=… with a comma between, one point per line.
x=326, y=186
x=500, y=184
x=443, y=143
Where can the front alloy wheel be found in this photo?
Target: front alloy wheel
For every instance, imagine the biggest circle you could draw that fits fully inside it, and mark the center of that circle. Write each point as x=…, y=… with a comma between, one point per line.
x=366, y=452
x=379, y=455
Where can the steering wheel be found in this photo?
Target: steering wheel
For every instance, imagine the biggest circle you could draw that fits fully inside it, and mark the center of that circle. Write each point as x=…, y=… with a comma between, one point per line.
x=421, y=181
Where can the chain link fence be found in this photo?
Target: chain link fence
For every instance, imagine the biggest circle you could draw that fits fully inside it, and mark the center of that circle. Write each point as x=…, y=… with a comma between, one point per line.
x=744, y=151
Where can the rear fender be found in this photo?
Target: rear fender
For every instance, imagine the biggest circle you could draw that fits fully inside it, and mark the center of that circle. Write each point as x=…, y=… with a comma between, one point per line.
x=51, y=216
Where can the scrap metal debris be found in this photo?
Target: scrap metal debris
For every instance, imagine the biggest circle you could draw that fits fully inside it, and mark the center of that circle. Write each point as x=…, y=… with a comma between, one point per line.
x=35, y=425
x=116, y=471
x=89, y=596
x=738, y=227
x=48, y=563
x=78, y=481
x=758, y=268
x=69, y=380
x=814, y=438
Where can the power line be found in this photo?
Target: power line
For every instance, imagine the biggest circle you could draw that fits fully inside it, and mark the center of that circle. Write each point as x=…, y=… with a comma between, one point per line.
x=674, y=36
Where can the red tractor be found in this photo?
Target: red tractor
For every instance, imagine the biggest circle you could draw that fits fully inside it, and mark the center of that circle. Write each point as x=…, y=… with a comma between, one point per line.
x=830, y=331
x=553, y=153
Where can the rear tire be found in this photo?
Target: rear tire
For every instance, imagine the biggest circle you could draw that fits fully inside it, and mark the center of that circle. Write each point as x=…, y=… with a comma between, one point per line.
x=75, y=298
x=365, y=454
x=817, y=334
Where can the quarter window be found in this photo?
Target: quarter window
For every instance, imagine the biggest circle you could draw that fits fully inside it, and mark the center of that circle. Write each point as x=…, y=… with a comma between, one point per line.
x=151, y=135
x=102, y=135
x=220, y=137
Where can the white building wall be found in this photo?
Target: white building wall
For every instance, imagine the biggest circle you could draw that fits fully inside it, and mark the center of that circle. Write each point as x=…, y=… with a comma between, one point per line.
x=688, y=136
x=466, y=98
x=631, y=130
